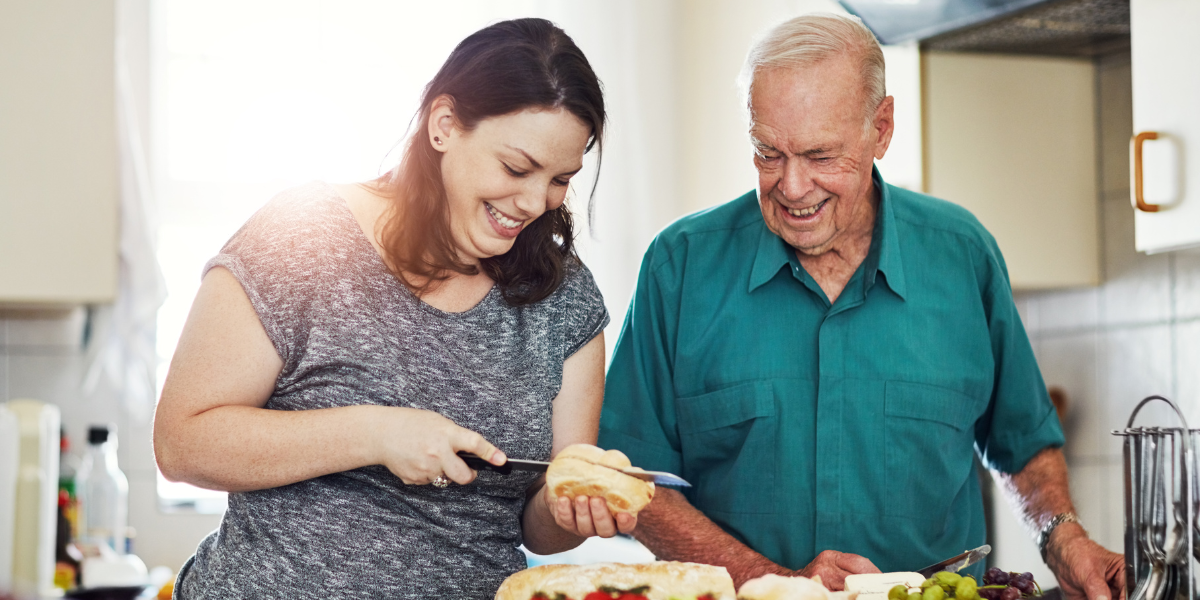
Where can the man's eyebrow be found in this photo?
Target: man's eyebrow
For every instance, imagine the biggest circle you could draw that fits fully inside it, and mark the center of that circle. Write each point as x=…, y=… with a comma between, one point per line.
x=533, y=162
x=816, y=151
x=757, y=143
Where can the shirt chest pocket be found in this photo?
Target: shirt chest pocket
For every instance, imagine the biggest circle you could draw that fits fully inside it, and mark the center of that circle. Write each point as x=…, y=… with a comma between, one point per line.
x=728, y=440
x=929, y=448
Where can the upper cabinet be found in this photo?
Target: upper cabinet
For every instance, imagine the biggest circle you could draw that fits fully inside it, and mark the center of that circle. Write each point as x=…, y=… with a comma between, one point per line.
x=58, y=152
x=1013, y=140
x=1165, y=151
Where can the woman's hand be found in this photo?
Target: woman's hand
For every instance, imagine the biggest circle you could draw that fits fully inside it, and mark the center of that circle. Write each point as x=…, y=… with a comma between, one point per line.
x=418, y=446
x=586, y=516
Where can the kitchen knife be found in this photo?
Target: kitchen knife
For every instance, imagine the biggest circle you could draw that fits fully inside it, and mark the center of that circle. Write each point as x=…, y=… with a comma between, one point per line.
x=516, y=464
x=957, y=563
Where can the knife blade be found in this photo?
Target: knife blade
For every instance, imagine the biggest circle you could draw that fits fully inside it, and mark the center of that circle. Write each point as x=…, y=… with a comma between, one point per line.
x=957, y=563
x=517, y=464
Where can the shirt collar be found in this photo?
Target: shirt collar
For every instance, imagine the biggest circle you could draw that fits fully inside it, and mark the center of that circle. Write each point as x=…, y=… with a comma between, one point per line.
x=774, y=254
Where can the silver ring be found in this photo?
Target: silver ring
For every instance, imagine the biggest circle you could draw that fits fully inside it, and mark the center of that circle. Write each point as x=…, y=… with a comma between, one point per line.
x=442, y=482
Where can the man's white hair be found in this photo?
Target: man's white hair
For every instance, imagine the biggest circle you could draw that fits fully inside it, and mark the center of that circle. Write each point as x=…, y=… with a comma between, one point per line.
x=809, y=39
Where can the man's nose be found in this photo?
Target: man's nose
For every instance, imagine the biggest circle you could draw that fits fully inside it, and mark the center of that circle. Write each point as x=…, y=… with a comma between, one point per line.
x=796, y=181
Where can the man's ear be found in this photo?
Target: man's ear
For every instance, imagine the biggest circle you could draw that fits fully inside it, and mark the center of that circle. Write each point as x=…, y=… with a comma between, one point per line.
x=884, y=125
x=442, y=130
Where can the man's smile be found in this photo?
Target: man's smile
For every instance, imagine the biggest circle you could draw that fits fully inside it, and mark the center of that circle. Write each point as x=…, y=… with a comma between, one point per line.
x=806, y=214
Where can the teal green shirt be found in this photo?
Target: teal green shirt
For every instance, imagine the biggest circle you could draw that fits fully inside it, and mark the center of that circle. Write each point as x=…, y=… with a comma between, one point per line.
x=805, y=426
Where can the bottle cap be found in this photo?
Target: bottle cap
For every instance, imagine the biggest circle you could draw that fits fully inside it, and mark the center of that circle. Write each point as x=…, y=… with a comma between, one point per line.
x=97, y=434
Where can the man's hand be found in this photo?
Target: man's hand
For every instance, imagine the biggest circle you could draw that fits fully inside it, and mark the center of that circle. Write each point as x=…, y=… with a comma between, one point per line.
x=834, y=566
x=1085, y=570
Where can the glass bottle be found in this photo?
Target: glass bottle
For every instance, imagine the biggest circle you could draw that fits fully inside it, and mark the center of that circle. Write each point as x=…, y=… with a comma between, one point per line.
x=103, y=492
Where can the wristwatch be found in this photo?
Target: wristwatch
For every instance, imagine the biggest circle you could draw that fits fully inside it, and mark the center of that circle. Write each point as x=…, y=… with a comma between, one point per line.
x=1043, y=539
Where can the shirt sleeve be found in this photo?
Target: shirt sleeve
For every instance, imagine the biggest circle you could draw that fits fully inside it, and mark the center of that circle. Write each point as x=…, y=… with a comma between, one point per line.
x=638, y=417
x=1020, y=420
x=276, y=256
x=586, y=314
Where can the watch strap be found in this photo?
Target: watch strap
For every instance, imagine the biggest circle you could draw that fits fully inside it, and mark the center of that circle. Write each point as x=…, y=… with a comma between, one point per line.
x=1043, y=539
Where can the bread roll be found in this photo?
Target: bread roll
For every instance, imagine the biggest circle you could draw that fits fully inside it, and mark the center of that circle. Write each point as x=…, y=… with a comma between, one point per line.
x=776, y=587
x=585, y=470
x=667, y=580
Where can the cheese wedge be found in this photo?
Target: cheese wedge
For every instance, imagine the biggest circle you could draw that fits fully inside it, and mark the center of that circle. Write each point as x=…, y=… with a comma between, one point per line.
x=879, y=583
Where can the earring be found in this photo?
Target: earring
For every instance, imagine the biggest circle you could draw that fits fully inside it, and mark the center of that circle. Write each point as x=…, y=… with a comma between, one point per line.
x=437, y=140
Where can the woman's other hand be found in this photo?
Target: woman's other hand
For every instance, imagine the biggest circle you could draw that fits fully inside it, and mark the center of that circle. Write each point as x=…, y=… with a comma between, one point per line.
x=418, y=446
x=585, y=516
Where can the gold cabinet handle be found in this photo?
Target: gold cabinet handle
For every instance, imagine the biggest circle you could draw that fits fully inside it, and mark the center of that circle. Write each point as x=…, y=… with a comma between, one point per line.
x=1136, y=146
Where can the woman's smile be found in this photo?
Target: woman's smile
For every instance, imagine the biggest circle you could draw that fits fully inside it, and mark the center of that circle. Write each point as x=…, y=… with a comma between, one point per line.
x=502, y=223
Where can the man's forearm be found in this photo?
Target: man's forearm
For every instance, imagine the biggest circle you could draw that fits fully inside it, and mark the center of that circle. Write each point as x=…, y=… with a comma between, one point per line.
x=674, y=530
x=1040, y=491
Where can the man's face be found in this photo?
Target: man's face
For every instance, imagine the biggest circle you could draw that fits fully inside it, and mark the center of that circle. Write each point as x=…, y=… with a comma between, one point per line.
x=814, y=152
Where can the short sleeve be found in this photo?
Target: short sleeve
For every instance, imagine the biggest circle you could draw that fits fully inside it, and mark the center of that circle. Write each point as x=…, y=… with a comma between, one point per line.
x=1020, y=420
x=639, y=416
x=586, y=315
x=278, y=256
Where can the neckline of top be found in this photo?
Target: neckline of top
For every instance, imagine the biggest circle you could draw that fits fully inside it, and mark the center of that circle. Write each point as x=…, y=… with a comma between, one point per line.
x=360, y=238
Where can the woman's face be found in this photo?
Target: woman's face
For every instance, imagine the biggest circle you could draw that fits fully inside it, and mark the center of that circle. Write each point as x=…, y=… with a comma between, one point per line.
x=505, y=173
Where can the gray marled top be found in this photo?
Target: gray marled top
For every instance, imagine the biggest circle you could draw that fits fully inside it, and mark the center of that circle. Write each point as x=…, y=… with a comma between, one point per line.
x=350, y=333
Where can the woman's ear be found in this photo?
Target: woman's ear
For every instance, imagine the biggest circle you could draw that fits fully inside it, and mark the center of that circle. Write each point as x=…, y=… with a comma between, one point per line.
x=441, y=122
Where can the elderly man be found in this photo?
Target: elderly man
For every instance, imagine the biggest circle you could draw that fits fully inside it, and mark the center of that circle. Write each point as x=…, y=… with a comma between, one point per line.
x=823, y=358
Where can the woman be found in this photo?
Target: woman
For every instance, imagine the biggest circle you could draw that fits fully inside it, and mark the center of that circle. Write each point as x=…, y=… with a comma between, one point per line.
x=349, y=340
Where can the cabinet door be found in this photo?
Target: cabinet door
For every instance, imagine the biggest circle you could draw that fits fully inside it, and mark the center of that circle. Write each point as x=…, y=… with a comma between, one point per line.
x=1166, y=101
x=1013, y=140
x=58, y=152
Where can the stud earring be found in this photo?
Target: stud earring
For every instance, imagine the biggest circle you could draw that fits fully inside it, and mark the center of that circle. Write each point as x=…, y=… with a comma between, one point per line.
x=437, y=140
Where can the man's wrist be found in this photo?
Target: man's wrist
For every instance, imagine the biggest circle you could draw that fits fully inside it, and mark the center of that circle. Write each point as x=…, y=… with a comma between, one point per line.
x=1062, y=523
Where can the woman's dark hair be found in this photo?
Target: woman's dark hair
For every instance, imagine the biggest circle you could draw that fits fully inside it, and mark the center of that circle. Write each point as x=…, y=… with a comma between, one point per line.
x=501, y=69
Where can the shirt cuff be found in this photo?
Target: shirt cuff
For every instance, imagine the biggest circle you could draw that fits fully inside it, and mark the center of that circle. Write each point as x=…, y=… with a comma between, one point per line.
x=1009, y=452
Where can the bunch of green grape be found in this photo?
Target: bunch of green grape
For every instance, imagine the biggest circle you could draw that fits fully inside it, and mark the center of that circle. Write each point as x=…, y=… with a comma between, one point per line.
x=939, y=587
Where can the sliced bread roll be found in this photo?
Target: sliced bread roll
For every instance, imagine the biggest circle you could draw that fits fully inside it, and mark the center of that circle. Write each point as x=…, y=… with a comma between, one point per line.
x=777, y=587
x=661, y=580
x=585, y=470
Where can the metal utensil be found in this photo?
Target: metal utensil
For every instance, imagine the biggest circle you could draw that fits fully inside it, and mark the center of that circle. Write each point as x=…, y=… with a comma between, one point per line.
x=517, y=464
x=956, y=563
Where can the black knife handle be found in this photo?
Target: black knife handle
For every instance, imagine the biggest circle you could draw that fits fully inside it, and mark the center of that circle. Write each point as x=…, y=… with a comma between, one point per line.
x=478, y=463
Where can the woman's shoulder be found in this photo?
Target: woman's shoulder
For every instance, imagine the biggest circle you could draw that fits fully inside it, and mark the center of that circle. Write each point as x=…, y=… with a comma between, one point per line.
x=297, y=217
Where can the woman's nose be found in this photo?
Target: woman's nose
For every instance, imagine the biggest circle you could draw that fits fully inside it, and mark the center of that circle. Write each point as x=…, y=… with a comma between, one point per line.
x=534, y=198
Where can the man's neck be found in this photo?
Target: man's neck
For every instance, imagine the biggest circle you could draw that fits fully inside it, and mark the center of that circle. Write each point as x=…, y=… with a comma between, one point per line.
x=833, y=268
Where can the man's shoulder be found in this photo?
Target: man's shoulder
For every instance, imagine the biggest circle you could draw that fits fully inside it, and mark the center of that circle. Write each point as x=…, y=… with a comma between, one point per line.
x=712, y=227
x=927, y=212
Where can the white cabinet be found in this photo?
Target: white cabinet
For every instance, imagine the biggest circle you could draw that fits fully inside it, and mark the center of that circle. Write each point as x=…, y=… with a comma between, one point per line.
x=58, y=152
x=1013, y=140
x=1166, y=102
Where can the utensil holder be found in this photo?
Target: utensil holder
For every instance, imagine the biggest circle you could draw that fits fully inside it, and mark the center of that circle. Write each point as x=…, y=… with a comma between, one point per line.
x=1161, y=499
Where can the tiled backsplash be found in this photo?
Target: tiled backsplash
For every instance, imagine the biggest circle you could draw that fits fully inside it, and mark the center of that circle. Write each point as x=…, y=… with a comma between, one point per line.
x=42, y=356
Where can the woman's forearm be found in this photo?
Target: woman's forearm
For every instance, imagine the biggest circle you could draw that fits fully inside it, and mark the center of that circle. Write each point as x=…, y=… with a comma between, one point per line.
x=242, y=448
x=542, y=534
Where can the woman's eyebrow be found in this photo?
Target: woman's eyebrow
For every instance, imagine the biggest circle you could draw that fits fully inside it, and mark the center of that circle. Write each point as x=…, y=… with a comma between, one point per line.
x=533, y=162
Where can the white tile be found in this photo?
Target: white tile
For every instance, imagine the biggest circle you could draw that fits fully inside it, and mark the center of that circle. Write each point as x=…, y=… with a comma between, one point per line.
x=164, y=539
x=1135, y=363
x=1187, y=284
x=1110, y=531
x=1187, y=365
x=1087, y=487
x=1068, y=309
x=58, y=328
x=1070, y=362
x=1137, y=286
x=1116, y=125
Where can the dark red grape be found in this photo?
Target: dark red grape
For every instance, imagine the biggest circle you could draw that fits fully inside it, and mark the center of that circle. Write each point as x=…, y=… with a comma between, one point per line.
x=1027, y=576
x=1000, y=578
x=986, y=594
x=1010, y=593
x=1025, y=585
x=990, y=576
